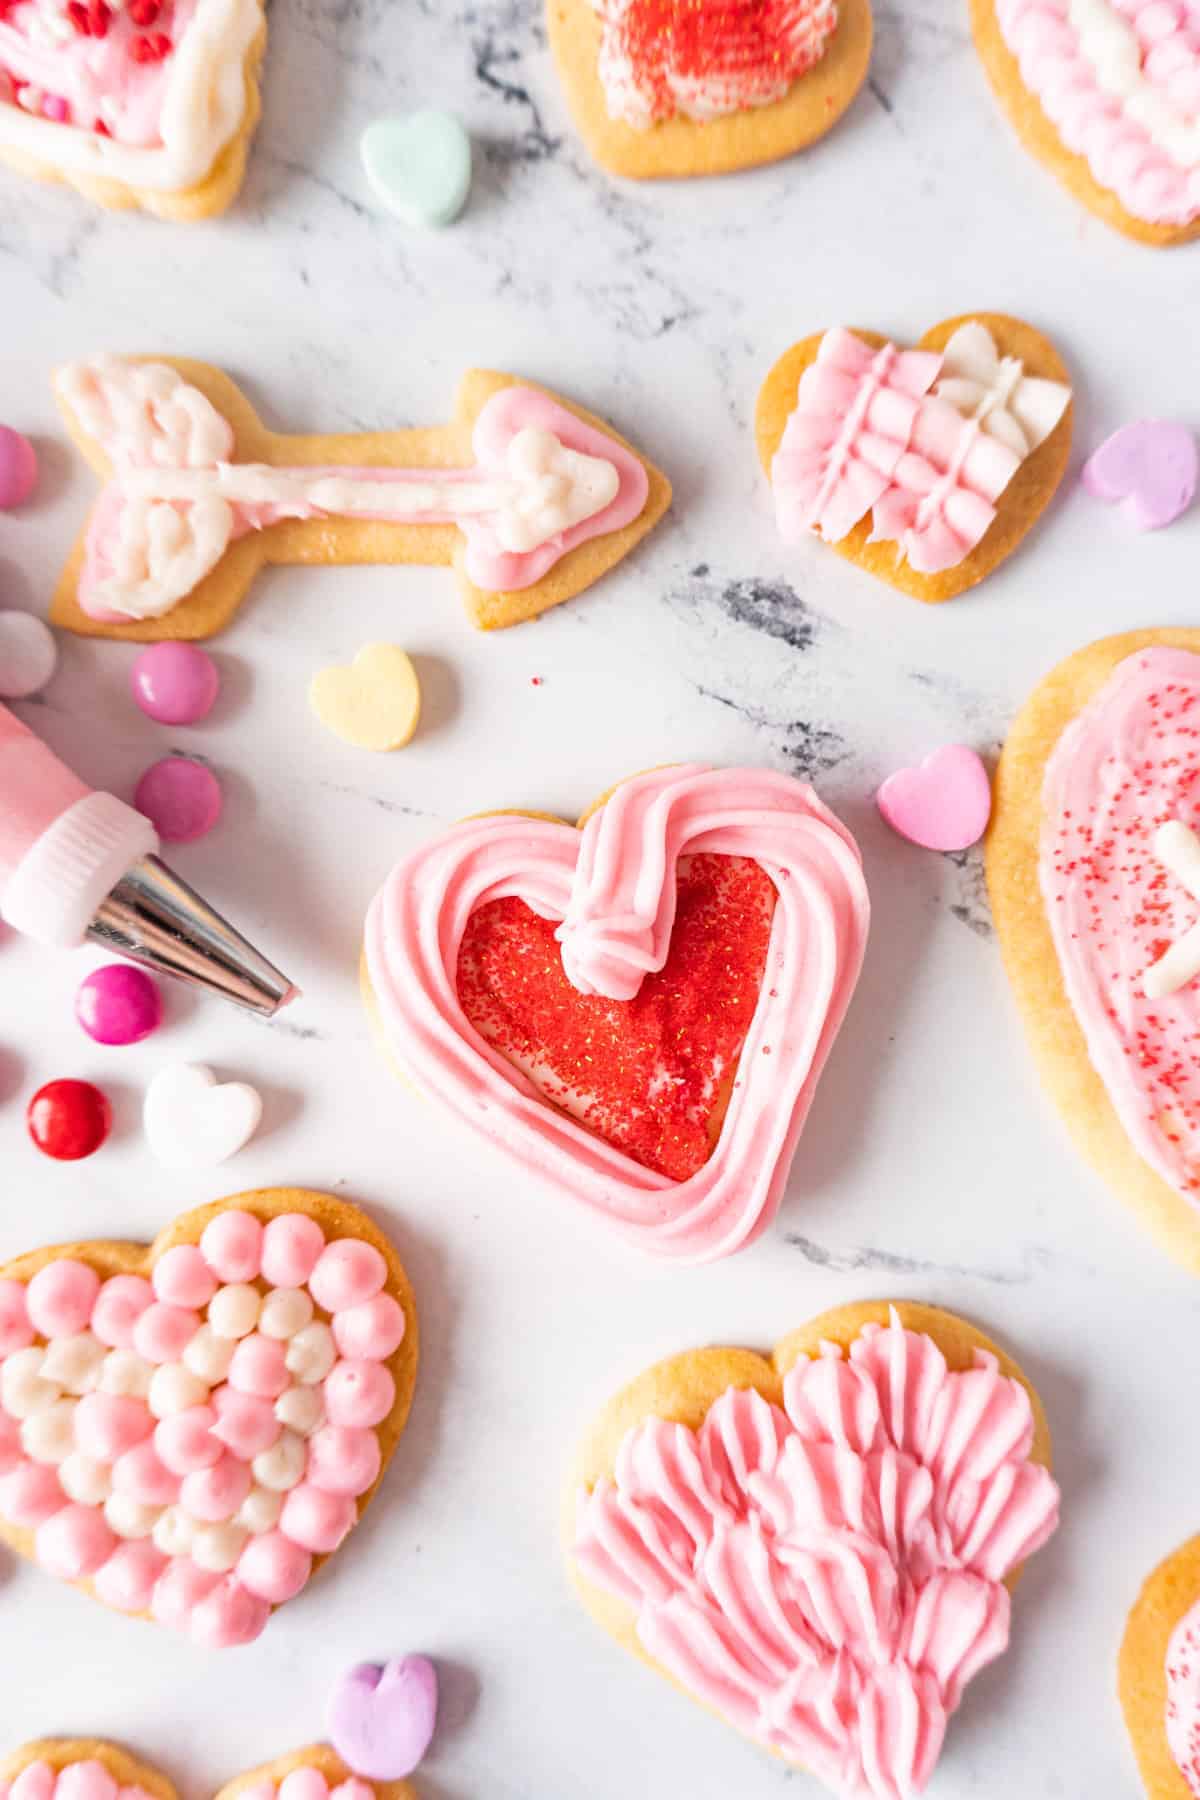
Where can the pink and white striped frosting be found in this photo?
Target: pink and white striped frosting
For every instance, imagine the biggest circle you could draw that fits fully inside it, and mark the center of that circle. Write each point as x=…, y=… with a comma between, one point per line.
x=828, y=1576
x=1120, y=81
x=612, y=886
x=187, y=1443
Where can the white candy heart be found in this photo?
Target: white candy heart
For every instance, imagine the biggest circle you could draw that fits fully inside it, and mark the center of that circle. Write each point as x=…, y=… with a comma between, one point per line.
x=193, y=1121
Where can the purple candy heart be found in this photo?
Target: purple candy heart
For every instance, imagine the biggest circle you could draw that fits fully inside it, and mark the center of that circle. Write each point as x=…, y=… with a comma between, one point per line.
x=1151, y=466
x=382, y=1717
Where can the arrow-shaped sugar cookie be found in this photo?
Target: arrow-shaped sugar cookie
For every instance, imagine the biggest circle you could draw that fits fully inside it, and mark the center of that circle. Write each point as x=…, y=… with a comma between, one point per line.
x=530, y=498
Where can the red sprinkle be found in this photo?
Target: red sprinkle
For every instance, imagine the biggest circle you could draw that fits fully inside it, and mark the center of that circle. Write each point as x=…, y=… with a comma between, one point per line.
x=651, y=1075
x=144, y=12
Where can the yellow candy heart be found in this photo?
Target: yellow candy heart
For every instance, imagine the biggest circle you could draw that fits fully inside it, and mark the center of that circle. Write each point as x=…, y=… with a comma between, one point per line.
x=375, y=703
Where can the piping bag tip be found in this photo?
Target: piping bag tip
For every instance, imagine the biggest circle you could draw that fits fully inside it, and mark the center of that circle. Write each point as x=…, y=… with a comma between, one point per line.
x=153, y=917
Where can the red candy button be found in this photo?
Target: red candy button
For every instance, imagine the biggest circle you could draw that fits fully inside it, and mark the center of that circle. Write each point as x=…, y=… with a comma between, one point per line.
x=68, y=1120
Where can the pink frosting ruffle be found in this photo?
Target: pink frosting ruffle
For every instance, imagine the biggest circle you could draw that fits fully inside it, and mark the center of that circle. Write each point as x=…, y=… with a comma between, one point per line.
x=829, y=1576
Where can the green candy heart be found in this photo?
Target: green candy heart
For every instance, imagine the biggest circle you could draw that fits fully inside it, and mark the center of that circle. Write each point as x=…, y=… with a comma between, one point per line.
x=419, y=166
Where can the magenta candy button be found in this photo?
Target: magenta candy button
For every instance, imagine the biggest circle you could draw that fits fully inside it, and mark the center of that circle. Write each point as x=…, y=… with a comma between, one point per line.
x=18, y=467
x=175, y=683
x=118, y=1005
x=181, y=799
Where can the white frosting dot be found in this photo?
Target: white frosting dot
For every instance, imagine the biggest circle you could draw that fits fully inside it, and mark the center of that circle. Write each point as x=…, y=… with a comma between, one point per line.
x=23, y=1391
x=174, y=1531
x=217, y=1547
x=282, y=1466
x=173, y=1388
x=260, y=1510
x=208, y=1355
x=312, y=1353
x=74, y=1362
x=48, y=1435
x=83, y=1479
x=129, y=1518
x=301, y=1408
x=124, y=1372
x=233, y=1311
x=285, y=1311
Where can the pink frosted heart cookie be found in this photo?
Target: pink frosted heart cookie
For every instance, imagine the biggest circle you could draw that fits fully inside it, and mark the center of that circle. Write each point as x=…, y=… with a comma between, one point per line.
x=188, y=1431
x=818, y=1546
x=942, y=805
x=639, y=1010
x=1093, y=867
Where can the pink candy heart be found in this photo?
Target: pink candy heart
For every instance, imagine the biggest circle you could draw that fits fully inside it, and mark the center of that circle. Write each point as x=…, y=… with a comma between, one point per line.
x=1150, y=467
x=382, y=1716
x=944, y=804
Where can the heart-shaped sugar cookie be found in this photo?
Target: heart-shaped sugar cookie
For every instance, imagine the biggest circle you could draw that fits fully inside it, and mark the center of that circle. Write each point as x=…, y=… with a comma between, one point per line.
x=927, y=466
x=638, y=1010
x=818, y=1545
x=674, y=88
x=188, y=1430
x=1096, y=911
x=93, y=1769
x=1158, y=1676
x=375, y=703
x=1103, y=94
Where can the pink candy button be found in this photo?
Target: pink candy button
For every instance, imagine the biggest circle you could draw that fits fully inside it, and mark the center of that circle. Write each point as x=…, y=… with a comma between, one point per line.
x=180, y=797
x=18, y=468
x=175, y=683
x=118, y=1004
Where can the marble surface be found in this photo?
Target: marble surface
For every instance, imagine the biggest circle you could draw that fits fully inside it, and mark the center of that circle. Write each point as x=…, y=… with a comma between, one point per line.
x=931, y=1167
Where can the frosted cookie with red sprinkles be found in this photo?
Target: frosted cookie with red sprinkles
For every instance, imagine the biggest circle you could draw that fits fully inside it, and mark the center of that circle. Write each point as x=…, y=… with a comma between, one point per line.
x=701, y=87
x=1093, y=866
x=1159, y=1677
x=638, y=1010
x=136, y=103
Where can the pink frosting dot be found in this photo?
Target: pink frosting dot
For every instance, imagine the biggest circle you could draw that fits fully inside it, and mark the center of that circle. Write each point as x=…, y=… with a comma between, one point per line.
x=232, y=1246
x=30, y=1495
x=74, y=1542
x=175, y=683
x=35, y=1782
x=10, y=1444
x=228, y=1616
x=180, y=797
x=273, y=1567
x=61, y=1296
x=88, y=1780
x=342, y=1460
x=304, y=1784
x=354, y=1789
x=259, y=1366
x=347, y=1272
x=290, y=1248
x=16, y=1333
x=179, y=1590
x=358, y=1393
x=216, y=1493
x=126, y=1581
x=109, y=1425
x=315, y=1519
x=185, y=1440
x=163, y=1332
x=119, y=1305
x=183, y=1278
x=371, y=1330
x=245, y=1422
x=143, y=1476
x=18, y=467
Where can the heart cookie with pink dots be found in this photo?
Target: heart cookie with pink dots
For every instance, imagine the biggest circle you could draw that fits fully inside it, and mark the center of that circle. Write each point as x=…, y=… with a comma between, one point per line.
x=93, y=1769
x=188, y=1430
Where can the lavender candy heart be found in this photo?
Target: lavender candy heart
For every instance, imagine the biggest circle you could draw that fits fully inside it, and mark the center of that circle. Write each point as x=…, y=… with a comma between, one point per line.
x=382, y=1716
x=1151, y=466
